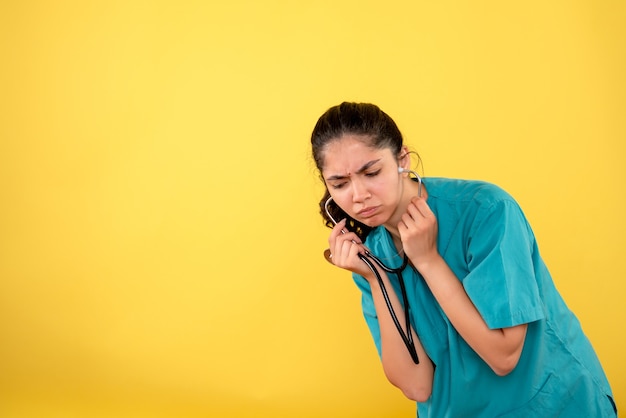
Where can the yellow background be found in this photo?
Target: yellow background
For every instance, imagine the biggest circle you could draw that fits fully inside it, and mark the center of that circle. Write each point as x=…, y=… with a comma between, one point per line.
x=160, y=247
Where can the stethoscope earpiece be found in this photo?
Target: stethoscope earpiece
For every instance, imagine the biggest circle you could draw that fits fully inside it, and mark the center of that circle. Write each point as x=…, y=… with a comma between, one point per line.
x=417, y=177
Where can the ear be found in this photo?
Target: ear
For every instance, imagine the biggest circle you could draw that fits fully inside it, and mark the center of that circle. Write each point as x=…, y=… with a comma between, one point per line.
x=404, y=158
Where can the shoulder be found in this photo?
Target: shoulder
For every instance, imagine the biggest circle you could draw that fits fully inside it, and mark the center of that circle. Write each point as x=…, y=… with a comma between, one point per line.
x=470, y=201
x=457, y=190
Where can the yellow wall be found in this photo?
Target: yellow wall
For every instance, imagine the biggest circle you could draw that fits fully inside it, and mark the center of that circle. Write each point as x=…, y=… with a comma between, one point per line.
x=160, y=248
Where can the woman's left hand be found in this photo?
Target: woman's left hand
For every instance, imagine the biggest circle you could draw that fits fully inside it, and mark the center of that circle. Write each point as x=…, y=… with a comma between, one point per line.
x=418, y=232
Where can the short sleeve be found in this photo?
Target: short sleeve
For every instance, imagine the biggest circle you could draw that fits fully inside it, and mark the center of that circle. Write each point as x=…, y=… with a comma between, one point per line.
x=369, y=310
x=501, y=281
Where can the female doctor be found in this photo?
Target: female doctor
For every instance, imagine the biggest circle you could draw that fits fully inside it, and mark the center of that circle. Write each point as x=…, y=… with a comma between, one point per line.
x=488, y=334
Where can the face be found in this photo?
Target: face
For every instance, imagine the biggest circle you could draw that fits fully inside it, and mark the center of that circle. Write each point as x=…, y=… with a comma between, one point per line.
x=362, y=180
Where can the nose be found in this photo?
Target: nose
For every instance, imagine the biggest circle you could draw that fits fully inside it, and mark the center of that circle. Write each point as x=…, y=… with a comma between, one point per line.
x=359, y=190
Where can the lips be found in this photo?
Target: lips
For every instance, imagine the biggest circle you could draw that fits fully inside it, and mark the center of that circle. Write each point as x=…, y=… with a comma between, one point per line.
x=368, y=212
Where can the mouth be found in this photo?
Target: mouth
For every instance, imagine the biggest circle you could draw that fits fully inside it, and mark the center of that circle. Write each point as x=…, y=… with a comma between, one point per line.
x=368, y=212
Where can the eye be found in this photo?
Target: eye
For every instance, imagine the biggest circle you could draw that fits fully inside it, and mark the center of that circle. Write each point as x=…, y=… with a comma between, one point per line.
x=373, y=173
x=337, y=185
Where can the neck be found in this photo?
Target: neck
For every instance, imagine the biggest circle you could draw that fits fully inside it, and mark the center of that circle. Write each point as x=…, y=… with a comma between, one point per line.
x=409, y=191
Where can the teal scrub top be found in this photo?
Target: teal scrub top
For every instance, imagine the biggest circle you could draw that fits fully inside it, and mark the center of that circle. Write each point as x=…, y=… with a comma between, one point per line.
x=486, y=240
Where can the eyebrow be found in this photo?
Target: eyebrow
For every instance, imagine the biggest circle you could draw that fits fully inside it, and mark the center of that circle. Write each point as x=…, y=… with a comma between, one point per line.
x=359, y=171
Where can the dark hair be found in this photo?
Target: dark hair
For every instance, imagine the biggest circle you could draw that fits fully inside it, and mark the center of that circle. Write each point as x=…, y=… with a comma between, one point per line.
x=363, y=119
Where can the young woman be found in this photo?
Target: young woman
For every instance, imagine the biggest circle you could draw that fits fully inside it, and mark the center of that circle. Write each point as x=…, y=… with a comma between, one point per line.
x=487, y=333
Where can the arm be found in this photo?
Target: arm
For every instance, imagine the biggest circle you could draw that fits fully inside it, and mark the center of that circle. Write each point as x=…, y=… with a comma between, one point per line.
x=415, y=380
x=499, y=348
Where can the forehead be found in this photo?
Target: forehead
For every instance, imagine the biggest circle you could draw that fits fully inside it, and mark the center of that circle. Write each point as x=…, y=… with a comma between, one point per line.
x=349, y=153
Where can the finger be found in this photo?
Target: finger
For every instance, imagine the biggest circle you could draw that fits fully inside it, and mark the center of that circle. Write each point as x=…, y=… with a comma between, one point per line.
x=336, y=231
x=419, y=203
x=343, y=251
x=406, y=220
x=351, y=253
x=339, y=231
x=342, y=248
x=413, y=209
x=334, y=234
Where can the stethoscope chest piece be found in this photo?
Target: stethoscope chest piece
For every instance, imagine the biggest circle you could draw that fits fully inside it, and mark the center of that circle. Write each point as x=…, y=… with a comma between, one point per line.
x=328, y=256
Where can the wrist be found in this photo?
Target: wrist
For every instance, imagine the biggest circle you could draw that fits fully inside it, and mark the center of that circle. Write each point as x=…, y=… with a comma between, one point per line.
x=370, y=278
x=427, y=264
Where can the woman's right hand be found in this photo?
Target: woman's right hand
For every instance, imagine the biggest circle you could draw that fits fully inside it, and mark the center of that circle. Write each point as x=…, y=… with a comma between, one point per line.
x=345, y=248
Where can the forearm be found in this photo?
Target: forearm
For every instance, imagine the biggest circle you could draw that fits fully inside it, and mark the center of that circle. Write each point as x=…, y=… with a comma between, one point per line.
x=415, y=380
x=499, y=348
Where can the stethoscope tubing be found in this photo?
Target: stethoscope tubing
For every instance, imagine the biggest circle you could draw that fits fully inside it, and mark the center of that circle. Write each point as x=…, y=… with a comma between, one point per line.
x=407, y=337
x=370, y=259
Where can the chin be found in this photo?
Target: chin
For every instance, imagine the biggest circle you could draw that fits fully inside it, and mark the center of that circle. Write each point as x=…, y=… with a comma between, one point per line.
x=372, y=222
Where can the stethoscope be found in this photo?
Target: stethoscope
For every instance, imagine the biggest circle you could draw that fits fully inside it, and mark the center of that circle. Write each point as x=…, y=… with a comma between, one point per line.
x=371, y=261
